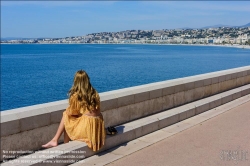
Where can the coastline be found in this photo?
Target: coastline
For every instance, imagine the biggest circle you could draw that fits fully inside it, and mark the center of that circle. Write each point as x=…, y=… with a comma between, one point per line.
x=211, y=45
x=214, y=45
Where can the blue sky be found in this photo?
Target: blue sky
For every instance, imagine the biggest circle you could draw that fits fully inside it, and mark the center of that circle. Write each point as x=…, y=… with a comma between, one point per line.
x=34, y=19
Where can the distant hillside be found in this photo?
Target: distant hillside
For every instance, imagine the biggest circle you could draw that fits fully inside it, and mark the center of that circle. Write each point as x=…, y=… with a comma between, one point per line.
x=20, y=38
x=221, y=25
x=10, y=38
x=247, y=25
x=216, y=26
x=15, y=38
x=206, y=27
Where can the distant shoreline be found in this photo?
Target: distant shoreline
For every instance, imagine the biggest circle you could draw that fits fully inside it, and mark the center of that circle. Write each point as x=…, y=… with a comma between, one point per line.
x=212, y=45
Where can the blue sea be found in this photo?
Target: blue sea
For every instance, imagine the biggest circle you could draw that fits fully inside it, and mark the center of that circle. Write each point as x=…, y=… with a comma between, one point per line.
x=39, y=73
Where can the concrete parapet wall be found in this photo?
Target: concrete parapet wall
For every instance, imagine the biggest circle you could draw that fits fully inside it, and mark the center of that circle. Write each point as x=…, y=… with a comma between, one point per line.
x=143, y=126
x=28, y=128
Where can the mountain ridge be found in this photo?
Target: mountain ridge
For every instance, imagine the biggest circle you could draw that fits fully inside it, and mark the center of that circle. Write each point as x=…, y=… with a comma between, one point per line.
x=230, y=26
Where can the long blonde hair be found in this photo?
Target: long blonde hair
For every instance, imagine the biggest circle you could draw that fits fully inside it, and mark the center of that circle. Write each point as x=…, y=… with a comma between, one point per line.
x=86, y=94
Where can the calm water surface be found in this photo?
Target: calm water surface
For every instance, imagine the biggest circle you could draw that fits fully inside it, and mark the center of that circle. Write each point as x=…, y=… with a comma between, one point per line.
x=35, y=74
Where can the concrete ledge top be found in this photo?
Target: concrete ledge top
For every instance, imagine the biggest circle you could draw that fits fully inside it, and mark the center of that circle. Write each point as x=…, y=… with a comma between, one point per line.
x=113, y=96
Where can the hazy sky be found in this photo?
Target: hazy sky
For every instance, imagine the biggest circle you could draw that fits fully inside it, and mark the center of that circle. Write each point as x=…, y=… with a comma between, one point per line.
x=76, y=18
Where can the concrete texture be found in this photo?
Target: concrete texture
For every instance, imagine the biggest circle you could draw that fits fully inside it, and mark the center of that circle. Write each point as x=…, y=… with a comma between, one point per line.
x=205, y=144
x=147, y=140
x=23, y=140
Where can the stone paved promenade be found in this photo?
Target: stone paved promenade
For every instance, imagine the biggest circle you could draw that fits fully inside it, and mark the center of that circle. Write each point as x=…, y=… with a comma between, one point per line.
x=206, y=144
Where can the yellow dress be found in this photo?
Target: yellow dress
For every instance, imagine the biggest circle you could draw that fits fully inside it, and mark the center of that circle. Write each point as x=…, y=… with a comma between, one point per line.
x=87, y=128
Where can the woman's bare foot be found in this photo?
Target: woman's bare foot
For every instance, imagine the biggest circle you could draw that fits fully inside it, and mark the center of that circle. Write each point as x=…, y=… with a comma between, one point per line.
x=50, y=144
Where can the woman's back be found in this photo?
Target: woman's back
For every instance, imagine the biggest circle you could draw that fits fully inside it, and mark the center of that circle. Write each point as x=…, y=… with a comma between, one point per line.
x=76, y=109
x=83, y=124
x=82, y=120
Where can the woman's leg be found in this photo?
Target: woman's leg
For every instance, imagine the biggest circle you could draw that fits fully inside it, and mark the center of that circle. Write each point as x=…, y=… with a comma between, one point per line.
x=54, y=141
x=66, y=137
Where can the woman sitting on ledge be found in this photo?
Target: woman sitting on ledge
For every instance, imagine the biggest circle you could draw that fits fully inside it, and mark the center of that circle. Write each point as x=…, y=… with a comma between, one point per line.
x=82, y=120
